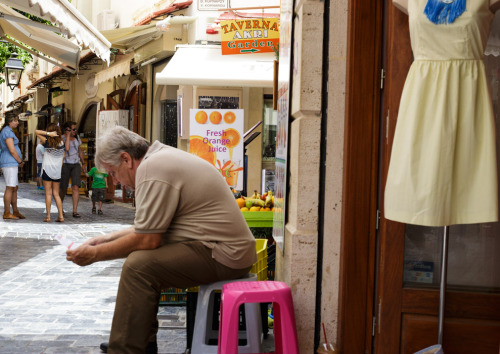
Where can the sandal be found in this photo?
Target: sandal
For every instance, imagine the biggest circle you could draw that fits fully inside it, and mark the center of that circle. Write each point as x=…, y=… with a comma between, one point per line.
x=10, y=216
x=99, y=212
x=60, y=220
x=76, y=215
x=46, y=220
x=93, y=210
x=19, y=215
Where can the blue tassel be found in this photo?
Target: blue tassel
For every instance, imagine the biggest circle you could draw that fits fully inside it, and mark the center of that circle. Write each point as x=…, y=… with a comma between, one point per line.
x=440, y=12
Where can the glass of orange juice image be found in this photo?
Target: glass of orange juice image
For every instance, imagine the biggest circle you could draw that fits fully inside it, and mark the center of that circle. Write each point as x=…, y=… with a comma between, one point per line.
x=230, y=171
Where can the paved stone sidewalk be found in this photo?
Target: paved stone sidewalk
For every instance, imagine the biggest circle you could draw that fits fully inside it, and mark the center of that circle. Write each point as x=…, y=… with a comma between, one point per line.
x=49, y=305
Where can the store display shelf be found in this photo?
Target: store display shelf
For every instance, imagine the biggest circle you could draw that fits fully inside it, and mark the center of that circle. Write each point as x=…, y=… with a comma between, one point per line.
x=258, y=218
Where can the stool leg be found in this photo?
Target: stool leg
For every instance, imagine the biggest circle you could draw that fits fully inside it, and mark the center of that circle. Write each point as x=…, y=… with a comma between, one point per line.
x=228, y=325
x=278, y=337
x=200, y=323
x=288, y=329
x=253, y=323
x=203, y=320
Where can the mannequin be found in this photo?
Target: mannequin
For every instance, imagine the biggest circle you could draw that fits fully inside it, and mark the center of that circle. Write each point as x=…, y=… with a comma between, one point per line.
x=403, y=5
x=437, y=62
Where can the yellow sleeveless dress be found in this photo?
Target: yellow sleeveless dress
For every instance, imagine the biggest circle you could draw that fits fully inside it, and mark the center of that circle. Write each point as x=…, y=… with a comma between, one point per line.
x=443, y=167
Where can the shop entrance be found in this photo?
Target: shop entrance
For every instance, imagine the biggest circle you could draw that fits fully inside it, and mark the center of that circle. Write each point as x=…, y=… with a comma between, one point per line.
x=168, y=119
x=408, y=274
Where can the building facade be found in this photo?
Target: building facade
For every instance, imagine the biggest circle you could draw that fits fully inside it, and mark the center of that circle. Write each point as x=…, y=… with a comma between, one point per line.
x=349, y=268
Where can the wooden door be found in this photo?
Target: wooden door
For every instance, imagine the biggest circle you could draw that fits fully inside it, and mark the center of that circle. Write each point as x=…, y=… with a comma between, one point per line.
x=135, y=102
x=407, y=302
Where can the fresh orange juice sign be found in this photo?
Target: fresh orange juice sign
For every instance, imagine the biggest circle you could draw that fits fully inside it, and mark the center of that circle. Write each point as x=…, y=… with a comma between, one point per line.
x=215, y=135
x=245, y=36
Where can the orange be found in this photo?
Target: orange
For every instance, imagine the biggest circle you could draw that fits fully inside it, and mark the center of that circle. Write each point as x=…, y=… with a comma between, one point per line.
x=233, y=136
x=201, y=117
x=229, y=117
x=204, y=150
x=215, y=117
x=241, y=202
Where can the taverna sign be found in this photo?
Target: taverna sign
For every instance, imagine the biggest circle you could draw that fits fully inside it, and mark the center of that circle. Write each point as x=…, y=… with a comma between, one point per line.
x=244, y=36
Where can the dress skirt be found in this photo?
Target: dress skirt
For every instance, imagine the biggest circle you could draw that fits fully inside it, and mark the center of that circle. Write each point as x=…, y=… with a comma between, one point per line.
x=443, y=167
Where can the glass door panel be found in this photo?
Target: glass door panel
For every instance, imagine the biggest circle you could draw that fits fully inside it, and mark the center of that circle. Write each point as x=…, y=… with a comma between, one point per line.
x=473, y=262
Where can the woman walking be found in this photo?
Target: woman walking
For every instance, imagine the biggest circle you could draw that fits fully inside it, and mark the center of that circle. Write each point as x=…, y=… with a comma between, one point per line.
x=10, y=161
x=72, y=167
x=51, y=167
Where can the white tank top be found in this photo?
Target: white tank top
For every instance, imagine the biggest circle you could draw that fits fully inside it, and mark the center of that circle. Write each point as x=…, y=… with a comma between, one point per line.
x=53, y=161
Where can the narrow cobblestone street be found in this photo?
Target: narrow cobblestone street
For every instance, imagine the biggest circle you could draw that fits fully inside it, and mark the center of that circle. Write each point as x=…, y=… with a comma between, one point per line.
x=49, y=305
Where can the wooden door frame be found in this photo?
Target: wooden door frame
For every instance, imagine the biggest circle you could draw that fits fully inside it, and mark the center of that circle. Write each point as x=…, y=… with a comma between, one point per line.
x=391, y=241
x=134, y=89
x=359, y=218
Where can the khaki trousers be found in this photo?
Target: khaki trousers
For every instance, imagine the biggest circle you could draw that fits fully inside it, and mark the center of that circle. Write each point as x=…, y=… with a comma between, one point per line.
x=144, y=274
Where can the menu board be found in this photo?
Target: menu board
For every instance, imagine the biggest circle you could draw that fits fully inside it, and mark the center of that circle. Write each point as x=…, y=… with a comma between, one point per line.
x=107, y=120
x=281, y=168
x=215, y=135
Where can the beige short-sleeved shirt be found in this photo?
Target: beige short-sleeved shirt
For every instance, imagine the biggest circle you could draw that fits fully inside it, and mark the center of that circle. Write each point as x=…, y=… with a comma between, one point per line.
x=185, y=198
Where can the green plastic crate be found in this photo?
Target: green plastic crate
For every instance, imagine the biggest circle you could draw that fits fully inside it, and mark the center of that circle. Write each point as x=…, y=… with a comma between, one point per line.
x=173, y=297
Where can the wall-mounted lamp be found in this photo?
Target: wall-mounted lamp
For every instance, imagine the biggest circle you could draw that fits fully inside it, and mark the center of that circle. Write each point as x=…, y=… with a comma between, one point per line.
x=13, y=71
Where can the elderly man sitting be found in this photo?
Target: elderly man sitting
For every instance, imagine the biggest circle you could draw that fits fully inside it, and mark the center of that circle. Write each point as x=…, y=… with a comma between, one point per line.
x=187, y=231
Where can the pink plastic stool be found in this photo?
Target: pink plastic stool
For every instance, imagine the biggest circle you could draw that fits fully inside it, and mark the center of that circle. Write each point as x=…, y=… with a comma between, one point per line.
x=236, y=294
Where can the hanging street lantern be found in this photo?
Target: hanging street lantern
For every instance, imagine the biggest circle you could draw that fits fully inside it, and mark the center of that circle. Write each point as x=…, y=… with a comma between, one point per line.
x=13, y=70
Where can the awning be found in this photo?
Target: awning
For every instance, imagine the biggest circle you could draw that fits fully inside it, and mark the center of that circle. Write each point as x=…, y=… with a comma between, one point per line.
x=61, y=50
x=20, y=99
x=129, y=38
x=203, y=65
x=174, y=5
x=119, y=68
x=60, y=73
x=149, y=41
x=69, y=20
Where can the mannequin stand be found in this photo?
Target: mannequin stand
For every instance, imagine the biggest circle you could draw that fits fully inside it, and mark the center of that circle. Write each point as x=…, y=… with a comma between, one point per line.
x=442, y=286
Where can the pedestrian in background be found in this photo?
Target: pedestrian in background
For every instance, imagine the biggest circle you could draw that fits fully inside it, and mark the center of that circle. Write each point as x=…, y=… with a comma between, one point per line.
x=51, y=167
x=99, y=185
x=72, y=167
x=39, y=159
x=10, y=161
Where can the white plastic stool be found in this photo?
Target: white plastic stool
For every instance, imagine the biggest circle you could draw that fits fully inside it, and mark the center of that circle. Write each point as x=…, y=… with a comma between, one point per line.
x=204, y=318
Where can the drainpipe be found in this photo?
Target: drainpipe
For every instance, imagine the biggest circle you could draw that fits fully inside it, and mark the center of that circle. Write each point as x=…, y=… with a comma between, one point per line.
x=322, y=173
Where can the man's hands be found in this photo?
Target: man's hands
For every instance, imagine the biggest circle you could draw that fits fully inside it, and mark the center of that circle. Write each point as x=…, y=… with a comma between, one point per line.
x=83, y=255
x=117, y=244
x=86, y=253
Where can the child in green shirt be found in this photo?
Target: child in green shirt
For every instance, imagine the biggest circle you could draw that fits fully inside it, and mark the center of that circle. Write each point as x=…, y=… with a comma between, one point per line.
x=99, y=185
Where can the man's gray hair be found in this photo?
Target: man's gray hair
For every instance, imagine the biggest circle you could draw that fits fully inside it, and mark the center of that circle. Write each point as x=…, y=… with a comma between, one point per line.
x=118, y=140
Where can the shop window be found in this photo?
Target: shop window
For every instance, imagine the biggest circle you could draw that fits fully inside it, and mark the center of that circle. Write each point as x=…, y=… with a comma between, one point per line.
x=269, y=131
x=268, y=144
x=221, y=102
x=168, y=126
